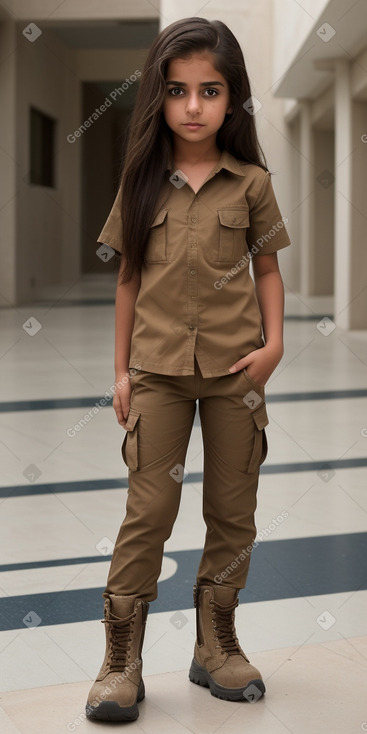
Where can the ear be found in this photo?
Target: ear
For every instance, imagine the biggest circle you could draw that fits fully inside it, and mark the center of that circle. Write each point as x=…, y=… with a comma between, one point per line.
x=229, y=111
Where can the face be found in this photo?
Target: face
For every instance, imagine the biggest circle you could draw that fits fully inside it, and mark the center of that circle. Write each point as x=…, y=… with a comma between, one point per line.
x=195, y=92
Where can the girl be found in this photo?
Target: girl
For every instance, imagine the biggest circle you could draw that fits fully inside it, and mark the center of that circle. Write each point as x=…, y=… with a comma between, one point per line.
x=195, y=205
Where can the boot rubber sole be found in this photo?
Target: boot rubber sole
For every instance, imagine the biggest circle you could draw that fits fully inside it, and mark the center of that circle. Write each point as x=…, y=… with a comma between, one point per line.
x=252, y=691
x=112, y=711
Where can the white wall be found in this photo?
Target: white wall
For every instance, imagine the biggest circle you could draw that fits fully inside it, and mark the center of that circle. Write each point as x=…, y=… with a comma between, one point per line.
x=292, y=23
x=322, y=281
x=48, y=219
x=8, y=164
x=359, y=244
x=41, y=226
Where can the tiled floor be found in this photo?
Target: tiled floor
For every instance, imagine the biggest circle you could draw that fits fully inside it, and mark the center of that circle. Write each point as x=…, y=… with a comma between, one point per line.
x=310, y=689
x=302, y=617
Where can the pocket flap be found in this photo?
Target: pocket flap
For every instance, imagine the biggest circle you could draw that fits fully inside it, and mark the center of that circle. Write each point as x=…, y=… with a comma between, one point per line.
x=132, y=418
x=236, y=218
x=260, y=417
x=159, y=218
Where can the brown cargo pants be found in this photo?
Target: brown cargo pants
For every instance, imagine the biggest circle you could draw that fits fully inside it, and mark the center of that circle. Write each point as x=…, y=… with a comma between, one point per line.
x=233, y=418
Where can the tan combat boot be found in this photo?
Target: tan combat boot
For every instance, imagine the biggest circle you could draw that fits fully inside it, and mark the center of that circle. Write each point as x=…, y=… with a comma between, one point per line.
x=119, y=686
x=219, y=663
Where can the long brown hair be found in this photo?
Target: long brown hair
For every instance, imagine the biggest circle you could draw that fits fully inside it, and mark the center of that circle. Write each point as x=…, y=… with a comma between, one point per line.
x=149, y=140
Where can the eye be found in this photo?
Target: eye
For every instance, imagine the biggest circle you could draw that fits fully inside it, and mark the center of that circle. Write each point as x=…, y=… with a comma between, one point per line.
x=174, y=89
x=212, y=90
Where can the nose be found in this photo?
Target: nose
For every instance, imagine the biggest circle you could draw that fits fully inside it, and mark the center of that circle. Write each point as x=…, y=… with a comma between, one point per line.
x=193, y=103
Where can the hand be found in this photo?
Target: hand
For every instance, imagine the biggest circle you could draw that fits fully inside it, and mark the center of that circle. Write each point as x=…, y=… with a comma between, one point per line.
x=121, y=398
x=260, y=363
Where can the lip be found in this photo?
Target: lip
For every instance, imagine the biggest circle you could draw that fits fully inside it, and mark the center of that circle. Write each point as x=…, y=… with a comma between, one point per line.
x=193, y=124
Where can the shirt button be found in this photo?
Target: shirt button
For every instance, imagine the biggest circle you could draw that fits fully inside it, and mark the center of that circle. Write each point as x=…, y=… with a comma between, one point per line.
x=193, y=219
x=191, y=327
x=193, y=272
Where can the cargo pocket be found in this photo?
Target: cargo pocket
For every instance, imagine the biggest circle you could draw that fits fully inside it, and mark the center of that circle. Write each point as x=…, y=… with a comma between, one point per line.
x=260, y=445
x=129, y=448
x=255, y=385
x=232, y=234
x=156, y=249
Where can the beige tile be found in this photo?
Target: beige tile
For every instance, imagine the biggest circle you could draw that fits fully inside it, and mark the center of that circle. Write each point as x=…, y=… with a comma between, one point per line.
x=6, y=724
x=313, y=688
x=354, y=648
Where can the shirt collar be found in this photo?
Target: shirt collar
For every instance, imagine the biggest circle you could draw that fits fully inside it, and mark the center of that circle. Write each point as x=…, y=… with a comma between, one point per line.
x=226, y=160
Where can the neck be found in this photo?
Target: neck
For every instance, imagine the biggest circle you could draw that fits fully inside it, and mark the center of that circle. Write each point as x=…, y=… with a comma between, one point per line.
x=193, y=153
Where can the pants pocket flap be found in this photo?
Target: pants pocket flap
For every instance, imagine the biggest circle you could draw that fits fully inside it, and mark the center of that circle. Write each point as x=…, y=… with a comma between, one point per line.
x=132, y=418
x=260, y=417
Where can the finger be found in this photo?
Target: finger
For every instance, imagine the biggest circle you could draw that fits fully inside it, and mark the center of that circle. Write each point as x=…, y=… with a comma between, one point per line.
x=126, y=409
x=119, y=413
x=237, y=366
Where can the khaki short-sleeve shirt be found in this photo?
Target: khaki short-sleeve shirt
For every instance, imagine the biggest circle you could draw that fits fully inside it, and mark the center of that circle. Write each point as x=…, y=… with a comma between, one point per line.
x=197, y=296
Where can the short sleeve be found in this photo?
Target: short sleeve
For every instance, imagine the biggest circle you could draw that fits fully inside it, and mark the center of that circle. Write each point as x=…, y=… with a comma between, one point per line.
x=112, y=231
x=267, y=230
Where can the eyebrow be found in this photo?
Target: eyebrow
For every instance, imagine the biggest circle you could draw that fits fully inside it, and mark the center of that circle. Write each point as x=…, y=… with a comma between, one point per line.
x=202, y=84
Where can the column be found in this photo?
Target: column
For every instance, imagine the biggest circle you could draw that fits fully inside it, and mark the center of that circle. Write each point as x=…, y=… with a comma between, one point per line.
x=306, y=191
x=343, y=195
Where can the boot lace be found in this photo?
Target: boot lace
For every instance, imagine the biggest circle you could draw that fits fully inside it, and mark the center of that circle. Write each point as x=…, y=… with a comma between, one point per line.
x=223, y=620
x=120, y=636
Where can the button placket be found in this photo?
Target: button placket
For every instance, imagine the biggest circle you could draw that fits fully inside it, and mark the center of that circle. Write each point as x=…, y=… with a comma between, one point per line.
x=192, y=275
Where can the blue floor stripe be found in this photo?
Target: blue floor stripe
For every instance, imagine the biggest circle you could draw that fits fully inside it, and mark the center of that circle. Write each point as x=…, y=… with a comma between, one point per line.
x=279, y=569
x=28, y=490
x=89, y=485
x=27, y=565
x=76, y=302
x=308, y=317
x=16, y=406
x=317, y=466
x=316, y=395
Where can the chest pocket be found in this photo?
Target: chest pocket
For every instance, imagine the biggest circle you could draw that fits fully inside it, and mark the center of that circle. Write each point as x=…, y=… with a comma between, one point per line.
x=232, y=234
x=156, y=249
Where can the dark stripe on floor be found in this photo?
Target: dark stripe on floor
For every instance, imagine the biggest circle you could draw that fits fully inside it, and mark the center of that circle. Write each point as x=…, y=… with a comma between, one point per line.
x=13, y=406
x=89, y=485
x=324, y=467
x=279, y=569
x=76, y=302
x=296, y=397
x=308, y=317
x=27, y=565
x=16, y=406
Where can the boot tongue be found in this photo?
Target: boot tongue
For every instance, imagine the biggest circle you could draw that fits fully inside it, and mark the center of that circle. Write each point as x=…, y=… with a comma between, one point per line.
x=122, y=606
x=224, y=595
